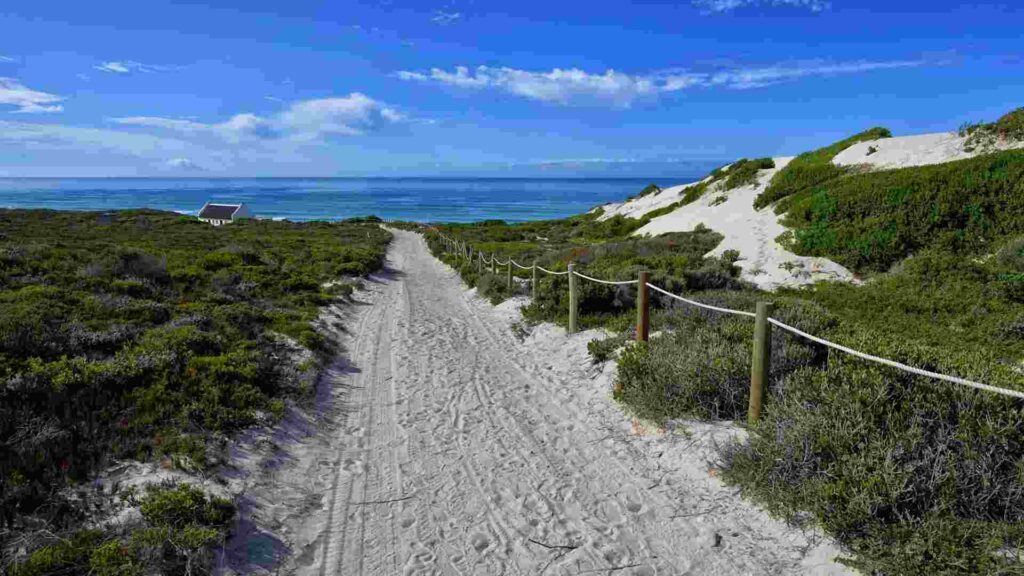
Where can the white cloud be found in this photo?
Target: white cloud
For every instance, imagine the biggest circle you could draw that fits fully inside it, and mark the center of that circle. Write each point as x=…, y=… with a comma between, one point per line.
x=575, y=86
x=558, y=85
x=445, y=18
x=350, y=115
x=717, y=6
x=129, y=66
x=6, y=58
x=758, y=77
x=183, y=164
x=304, y=120
x=27, y=101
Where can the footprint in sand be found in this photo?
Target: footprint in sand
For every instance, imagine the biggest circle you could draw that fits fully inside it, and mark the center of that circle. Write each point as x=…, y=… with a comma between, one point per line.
x=353, y=466
x=479, y=541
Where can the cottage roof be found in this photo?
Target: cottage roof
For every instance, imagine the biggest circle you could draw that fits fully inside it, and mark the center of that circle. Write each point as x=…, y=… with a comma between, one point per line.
x=218, y=211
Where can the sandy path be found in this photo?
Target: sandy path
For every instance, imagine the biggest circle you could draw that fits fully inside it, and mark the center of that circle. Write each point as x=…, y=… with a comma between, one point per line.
x=465, y=447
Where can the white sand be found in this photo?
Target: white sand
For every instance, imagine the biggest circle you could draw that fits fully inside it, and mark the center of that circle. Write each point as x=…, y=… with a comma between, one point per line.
x=917, y=150
x=640, y=206
x=752, y=232
x=459, y=443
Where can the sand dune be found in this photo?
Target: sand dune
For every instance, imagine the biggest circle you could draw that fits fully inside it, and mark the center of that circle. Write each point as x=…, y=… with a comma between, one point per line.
x=752, y=232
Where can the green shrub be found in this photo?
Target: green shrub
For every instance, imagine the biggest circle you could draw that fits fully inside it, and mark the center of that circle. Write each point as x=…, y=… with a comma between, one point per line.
x=871, y=221
x=183, y=505
x=1009, y=128
x=601, y=349
x=67, y=556
x=812, y=168
x=701, y=368
x=744, y=172
x=648, y=190
x=915, y=476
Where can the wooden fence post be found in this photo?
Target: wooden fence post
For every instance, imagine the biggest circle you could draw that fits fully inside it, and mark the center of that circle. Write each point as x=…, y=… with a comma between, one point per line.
x=494, y=264
x=480, y=262
x=643, y=309
x=509, y=275
x=533, y=283
x=572, y=299
x=760, y=363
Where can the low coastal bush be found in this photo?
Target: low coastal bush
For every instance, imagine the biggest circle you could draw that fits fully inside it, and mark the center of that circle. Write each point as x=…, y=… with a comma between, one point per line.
x=915, y=476
x=151, y=335
x=182, y=525
x=984, y=136
x=812, y=168
x=744, y=172
x=699, y=367
x=871, y=221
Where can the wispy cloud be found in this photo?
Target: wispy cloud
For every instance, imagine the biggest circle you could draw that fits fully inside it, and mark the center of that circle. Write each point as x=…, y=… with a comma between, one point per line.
x=130, y=66
x=445, y=18
x=37, y=136
x=575, y=86
x=26, y=100
x=6, y=58
x=718, y=6
x=305, y=120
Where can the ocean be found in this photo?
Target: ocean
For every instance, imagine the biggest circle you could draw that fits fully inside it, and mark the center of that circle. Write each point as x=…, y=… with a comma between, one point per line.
x=414, y=199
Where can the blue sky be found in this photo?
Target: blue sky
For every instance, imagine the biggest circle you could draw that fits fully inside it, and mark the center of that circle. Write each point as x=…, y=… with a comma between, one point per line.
x=482, y=87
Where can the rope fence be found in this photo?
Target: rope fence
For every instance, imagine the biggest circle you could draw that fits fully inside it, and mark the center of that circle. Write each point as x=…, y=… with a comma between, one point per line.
x=609, y=282
x=701, y=304
x=760, y=365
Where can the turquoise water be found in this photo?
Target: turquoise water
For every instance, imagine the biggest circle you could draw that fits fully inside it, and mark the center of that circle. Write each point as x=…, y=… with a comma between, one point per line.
x=416, y=199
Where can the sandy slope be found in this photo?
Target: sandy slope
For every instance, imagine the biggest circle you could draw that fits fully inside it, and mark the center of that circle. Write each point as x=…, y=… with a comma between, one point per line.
x=751, y=232
x=916, y=150
x=457, y=443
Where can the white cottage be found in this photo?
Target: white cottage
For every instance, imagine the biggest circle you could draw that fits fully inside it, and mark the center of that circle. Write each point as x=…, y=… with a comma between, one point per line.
x=218, y=214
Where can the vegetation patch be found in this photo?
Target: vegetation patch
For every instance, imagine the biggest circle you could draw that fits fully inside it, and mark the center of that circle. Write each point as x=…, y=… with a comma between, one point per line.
x=812, y=168
x=647, y=191
x=985, y=136
x=873, y=220
x=914, y=476
x=744, y=172
x=181, y=526
x=152, y=335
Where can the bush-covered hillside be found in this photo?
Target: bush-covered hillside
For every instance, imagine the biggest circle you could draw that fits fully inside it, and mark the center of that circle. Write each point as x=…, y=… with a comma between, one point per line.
x=143, y=334
x=871, y=221
x=812, y=168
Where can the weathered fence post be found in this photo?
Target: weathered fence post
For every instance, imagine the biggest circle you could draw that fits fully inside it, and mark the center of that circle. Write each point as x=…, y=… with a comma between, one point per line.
x=572, y=299
x=643, y=309
x=760, y=363
x=480, y=262
x=509, y=275
x=533, y=283
x=494, y=264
